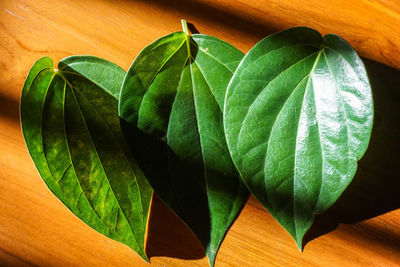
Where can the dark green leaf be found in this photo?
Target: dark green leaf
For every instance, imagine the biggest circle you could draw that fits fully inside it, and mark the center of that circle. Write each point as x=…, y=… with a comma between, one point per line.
x=71, y=126
x=175, y=90
x=298, y=116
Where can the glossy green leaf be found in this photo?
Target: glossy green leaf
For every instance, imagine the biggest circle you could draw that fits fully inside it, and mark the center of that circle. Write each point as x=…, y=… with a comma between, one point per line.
x=298, y=116
x=175, y=91
x=71, y=127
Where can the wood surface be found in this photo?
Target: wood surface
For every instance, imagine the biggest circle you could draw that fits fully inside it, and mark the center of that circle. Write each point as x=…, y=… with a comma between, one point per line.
x=362, y=229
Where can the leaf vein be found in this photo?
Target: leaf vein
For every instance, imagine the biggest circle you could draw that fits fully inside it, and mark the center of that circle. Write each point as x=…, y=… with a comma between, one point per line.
x=260, y=93
x=95, y=150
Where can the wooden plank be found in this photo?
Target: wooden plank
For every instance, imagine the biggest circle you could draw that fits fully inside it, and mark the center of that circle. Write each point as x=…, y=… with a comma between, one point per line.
x=36, y=229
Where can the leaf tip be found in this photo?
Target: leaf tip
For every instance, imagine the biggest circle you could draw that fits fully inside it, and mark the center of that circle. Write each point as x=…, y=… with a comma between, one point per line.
x=143, y=255
x=299, y=243
x=211, y=260
x=211, y=255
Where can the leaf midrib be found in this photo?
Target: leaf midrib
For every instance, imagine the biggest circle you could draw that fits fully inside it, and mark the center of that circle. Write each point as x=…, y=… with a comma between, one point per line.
x=119, y=145
x=297, y=134
x=209, y=247
x=72, y=162
x=211, y=92
x=308, y=76
x=105, y=173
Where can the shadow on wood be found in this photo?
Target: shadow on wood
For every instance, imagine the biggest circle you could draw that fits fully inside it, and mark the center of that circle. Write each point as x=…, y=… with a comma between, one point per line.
x=215, y=14
x=9, y=107
x=375, y=187
x=169, y=236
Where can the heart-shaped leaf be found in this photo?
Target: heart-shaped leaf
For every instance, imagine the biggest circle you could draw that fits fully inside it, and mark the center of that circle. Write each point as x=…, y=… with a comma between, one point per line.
x=298, y=116
x=175, y=91
x=71, y=127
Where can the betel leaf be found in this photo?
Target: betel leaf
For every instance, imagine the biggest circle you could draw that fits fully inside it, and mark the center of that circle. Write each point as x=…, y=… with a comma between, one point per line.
x=175, y=91
x=298, y=116
x=70, y=123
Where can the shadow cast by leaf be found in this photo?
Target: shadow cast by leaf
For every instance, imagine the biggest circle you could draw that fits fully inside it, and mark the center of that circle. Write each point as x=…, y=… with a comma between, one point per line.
x=215, y=14
x=9, y=107
x=192, y=28
x=374, y=189
x=153, y=156
x=169, y=236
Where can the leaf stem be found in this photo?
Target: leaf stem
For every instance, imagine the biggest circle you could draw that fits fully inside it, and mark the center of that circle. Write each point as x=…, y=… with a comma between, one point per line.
x=184, y=27
x=187, y=37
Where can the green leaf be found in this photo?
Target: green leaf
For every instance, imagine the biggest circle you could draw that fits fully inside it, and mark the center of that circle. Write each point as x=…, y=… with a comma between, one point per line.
x=298, y=116
x=175, y=91
x=71, y=127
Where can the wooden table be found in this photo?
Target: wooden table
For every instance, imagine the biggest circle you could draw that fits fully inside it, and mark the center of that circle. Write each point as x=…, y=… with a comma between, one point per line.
x=363, y=228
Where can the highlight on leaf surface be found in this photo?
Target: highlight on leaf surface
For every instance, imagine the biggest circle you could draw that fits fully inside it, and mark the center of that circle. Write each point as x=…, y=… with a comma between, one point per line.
x=174, y=91
x=70, y=123
x=298, y=116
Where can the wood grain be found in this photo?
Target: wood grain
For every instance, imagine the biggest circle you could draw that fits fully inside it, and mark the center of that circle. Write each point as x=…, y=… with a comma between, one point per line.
x=363, y=228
